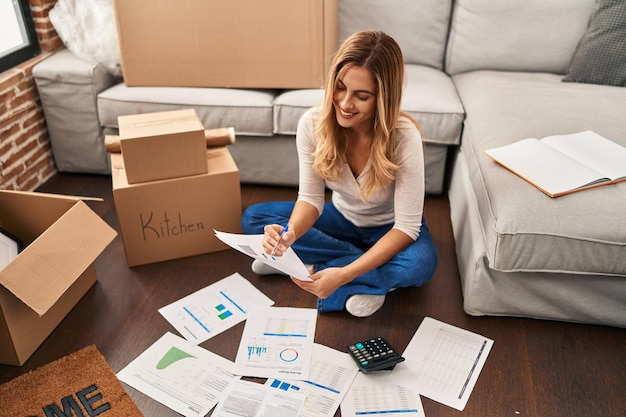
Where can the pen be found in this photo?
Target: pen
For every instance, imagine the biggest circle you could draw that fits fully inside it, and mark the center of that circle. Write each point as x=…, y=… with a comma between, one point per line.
x=279, y=239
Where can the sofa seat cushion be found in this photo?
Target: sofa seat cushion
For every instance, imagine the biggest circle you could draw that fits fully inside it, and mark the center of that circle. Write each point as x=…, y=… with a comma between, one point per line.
x=587, y=298
x=429, y=96
x=525, y=230
x=248, y=111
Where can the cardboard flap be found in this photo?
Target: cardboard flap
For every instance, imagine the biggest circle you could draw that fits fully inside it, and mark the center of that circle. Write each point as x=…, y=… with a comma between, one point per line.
x=28, y=214
x=42, y=273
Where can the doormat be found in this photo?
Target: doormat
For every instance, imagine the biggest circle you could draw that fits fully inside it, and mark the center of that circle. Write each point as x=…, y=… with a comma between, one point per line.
x=81, y=384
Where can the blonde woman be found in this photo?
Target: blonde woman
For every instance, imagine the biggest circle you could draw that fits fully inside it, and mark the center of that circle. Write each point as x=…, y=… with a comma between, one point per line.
x=371, y=238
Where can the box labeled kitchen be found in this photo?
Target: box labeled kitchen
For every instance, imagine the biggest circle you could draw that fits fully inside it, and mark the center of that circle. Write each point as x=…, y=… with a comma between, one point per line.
x=174, y=218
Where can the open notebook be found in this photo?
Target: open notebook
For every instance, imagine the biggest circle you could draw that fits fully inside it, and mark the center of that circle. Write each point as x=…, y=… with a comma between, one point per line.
x=563, y=164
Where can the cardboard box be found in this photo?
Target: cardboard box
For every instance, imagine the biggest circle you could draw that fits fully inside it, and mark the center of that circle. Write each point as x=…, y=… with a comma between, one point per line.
x=162, y=145
x=227, y=43
x=62, y=238
x=175, y=218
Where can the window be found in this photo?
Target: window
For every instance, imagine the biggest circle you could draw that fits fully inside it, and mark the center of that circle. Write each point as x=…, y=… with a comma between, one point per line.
x=18, y=42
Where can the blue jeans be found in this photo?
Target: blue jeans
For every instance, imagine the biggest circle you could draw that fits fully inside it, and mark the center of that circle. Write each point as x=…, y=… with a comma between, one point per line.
x=333, y=241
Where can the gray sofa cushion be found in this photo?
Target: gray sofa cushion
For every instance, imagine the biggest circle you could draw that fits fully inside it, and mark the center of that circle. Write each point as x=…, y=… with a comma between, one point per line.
x=429, y=96
x=419, y=26
x=600, y=57
x=248, y=111
x=524, y=36
x=525, y=230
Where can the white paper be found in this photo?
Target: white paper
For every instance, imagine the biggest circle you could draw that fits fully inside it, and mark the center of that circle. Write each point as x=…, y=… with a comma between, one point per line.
x=594, y=150
x=252, y=245
x=213, y=309
x=332, y=373
x=544, y=167
x=372, y=394
x=188, y=379
x=277, y=342
x=442, y=362
x=249, y=399
x=9, y=249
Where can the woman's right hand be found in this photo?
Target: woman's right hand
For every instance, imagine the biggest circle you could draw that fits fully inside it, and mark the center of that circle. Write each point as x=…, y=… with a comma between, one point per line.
x=272, y=238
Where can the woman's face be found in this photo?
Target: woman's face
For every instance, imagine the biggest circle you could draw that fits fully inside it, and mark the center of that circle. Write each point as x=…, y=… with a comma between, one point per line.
x=354, y=99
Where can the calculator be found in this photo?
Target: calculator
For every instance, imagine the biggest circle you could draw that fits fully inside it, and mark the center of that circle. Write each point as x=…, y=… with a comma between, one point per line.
x=374, y=354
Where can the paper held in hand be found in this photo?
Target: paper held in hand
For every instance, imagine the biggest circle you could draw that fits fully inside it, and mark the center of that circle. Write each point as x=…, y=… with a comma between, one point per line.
x=252, y=245
x=564, y=164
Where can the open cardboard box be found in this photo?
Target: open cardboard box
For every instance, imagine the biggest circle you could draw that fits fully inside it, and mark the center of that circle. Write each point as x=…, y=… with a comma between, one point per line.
x=174, y=218
x=62, y=238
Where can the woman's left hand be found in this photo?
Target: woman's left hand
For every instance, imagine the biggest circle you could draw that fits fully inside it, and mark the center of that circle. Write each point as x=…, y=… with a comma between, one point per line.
x=324, y=283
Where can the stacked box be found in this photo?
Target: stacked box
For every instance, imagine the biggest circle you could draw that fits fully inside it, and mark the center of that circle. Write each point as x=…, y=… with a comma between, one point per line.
x=162, y=145
x=169, y=217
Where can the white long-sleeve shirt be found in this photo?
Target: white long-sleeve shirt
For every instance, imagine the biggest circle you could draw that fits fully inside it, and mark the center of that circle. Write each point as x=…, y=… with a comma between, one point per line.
x=401, y=202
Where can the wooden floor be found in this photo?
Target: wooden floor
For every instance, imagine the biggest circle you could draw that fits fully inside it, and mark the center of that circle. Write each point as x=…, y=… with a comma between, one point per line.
x=536, y=368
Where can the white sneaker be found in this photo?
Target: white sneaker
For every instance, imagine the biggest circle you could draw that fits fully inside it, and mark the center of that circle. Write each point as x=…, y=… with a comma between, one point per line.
x=364, y=305
x=261, y=268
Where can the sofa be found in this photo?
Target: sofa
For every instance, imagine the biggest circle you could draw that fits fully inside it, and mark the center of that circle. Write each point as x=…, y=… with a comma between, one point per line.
x=480, y=74
x=264, y=120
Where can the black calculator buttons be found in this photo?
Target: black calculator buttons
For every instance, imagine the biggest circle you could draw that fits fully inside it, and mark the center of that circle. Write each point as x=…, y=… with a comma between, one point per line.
x=374, y=354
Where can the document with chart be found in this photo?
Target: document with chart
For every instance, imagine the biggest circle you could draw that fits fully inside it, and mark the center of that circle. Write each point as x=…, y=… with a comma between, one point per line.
x=372, y=394
x=332, y=374
x=277, y=342
x=443, y=362
x=213, y=309
x=186, y=378
x=251, y=399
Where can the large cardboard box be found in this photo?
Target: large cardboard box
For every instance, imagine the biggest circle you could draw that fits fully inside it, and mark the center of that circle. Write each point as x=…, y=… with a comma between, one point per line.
x=175, y=218
x=162, y=145
x=227, y=43
x=62, y=238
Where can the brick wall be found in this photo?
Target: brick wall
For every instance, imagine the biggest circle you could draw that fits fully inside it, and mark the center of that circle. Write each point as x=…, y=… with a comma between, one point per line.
x=25, y=153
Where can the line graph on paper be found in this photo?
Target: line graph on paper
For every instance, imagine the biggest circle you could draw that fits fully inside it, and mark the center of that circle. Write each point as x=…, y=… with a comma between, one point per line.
x=450, y=362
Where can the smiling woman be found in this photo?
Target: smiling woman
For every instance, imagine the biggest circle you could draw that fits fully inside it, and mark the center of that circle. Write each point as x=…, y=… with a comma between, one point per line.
x=19, y=41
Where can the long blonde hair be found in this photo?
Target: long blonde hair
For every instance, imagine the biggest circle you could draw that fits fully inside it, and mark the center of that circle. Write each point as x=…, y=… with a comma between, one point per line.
x=381, y=56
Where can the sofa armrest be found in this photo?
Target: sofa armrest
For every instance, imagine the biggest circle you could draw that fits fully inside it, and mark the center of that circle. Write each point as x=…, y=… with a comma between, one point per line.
x=68, y=87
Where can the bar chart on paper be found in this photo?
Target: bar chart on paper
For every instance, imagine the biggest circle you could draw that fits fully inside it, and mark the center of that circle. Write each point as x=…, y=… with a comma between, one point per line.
x=277, y=342
x=213, y=309
x=261, y=353
x=256, y=349
x=285, y=327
